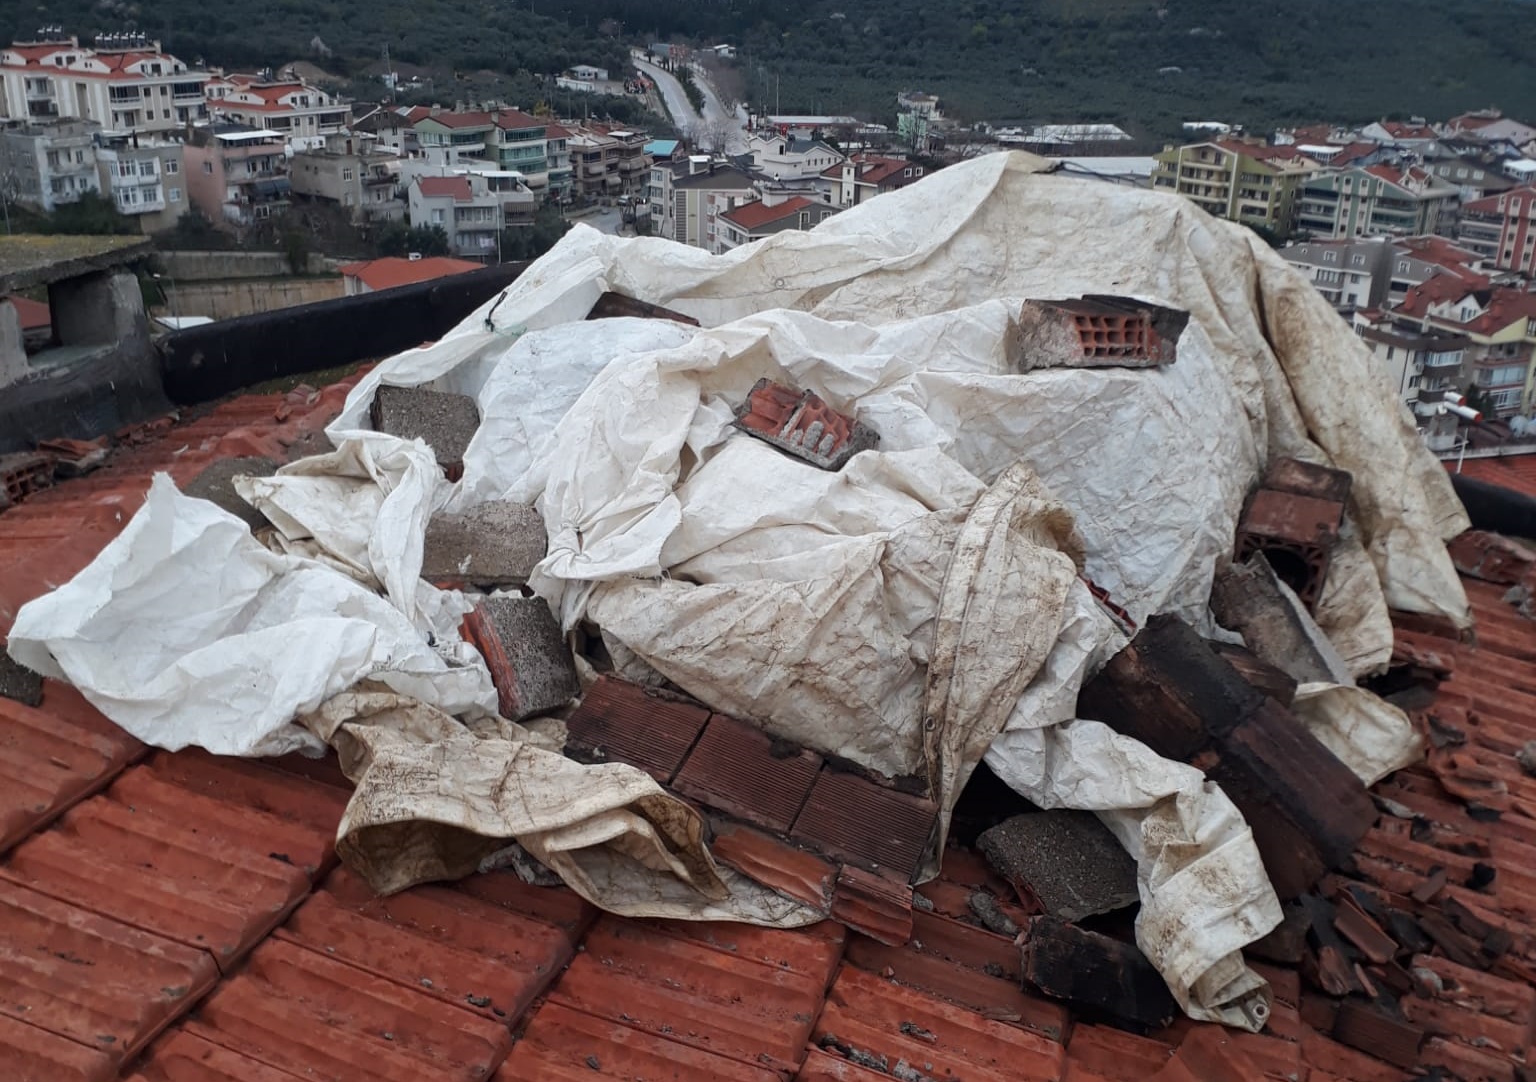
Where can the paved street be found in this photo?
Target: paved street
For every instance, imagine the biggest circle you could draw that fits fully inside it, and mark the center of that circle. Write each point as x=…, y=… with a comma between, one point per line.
x=683, y=113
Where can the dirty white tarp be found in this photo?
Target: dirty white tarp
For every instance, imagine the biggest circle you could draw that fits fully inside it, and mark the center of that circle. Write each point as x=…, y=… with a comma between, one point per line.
x=913, y=612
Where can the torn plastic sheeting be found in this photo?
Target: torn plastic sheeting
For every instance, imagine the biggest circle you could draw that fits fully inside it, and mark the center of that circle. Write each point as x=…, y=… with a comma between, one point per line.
x=186, y=631
x=1364, y=732
x=435, y=801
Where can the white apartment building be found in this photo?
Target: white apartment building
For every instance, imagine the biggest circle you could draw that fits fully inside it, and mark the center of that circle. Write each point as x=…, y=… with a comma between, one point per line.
x=124, y=82
x=143, y=178
x=46, y=163
x=304, y=115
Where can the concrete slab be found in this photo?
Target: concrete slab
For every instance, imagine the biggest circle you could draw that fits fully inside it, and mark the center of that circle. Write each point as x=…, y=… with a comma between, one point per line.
x=1066, y=860
x=19, y=682
x=528, y=658
x=497, y=543
x=447, y=422
x=216, y=485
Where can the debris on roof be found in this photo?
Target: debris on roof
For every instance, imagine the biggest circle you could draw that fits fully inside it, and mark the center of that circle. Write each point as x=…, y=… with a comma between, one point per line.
x=447, y=422
x=1066, y=863
x=791, y=674
x=1097, y=330
x=802, y=424
x=216, y=484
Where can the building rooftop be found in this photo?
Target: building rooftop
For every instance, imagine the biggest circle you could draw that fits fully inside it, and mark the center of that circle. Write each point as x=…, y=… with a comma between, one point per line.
x=456, y=188
x=756, y=214
x=393, y=271
x=28, y=260
x=172, y=915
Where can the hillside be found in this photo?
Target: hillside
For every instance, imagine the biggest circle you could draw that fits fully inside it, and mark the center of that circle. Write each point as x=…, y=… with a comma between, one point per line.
x=1146, y=63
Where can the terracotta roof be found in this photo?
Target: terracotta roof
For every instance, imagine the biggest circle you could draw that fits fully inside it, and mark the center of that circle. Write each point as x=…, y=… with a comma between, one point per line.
x=169, y=916
x=1260, y=152
x=1354, y=152
x=1400, y=130
x=393, y=271
x=1490, y=204
x=756, y=214
x=1515, y=472
x=34, y=314
x=516, y=119
x=456, y=188
x=871, y=169
x=459, y=120
x=1439, y=250
x=555, y=131
x=1438, y=289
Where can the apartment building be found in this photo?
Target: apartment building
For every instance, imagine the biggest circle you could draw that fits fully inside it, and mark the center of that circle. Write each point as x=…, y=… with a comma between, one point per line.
x=1423, y=365
x=507, y=139
x=304, y=115
x=607, y=162
x=349, y=173
x=236, y=175
x=470, y=208
x=557, y=144
x=1376, y=200
x=788, y=158
x=1502, y=229
x=1415, y=260
x=1350, y=274
x=1247, y=182
x=50, y=162
x=687, y=198
x=1499, y=325
x=144, y=178
x=124, y=82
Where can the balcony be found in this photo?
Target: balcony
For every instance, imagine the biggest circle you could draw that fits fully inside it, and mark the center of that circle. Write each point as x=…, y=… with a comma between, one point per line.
x=143, y=206
x=1442, y=360
x=42, y=108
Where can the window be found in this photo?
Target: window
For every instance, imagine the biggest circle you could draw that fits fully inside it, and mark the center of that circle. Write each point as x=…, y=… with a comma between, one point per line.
x=1402, y=266
x=147, y=167
x=437, y=217
x=1390, y=352
x=208, y=167
x=1330, y=257
x=173, y=195
x=1493, y=377
x=172, y=166
x=346, y=174
x=1413, y=381
x=1357, y=260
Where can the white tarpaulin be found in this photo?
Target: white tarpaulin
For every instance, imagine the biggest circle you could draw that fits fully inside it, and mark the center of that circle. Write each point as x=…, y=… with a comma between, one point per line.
x=913, y=612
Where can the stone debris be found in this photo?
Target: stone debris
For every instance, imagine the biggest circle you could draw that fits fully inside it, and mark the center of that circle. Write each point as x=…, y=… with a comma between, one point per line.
x=216, y=485
x=1065, y=862
x=493, y=544
x=446, y=422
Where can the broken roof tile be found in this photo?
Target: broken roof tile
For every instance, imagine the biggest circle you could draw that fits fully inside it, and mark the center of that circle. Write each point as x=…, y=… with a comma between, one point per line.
x=624, y=722
x=114, y=987
x=775, y=863
x=739, y=769
x=803, y=425
x=877, y=905
x=860, y=821
x=307, y=1013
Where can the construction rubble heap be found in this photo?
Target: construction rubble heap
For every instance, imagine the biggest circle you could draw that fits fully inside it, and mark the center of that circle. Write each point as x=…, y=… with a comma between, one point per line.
x=1043, y=526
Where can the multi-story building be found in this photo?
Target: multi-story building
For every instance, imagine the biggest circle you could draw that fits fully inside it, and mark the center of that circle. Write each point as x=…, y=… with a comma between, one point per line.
x=350, y=174
x=1377, y=200
x=1350, y=274
x=391, y=130
x=124, y=82
x=1473, y=174
x=236, y=175
x=1245, y=182
x=45, y=163
x=687, y=198
x=506, y=139
x=304, y=115
x=144, y=178
x=1499, y=324
x=864, y=176
x=557, y=144
x=1415, y=260
x=470, y=208
x=763, y=218
x=1414, y=134
x=1424, y=366
x=1502, y=229
x=607, y=162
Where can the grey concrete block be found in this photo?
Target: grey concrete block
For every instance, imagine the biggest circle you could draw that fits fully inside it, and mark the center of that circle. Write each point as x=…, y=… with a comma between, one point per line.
x=535, y=672
x=497, y=543
x=216, y=484
x=447, y=422
x=19, y=682
x=1067, y=860
x=1250, y=599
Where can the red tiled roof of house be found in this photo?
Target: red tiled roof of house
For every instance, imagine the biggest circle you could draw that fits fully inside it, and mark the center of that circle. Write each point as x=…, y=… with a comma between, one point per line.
x=417, y=112
x=1400, y=130
x=34, y=315
x=870, y=168
x=456, y=188
x=173, y=915
x=556, y=131
x=756, y=214
x=1502, y=306
x=1260, y=152
x=1438, y=250
x=1514, y=472
x=392, y=271
x=1353, y=152
x=516, y=119
x=461, y=120
x=1490, y=204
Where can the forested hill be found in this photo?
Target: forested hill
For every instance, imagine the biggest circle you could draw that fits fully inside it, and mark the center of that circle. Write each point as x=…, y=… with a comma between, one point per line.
x=1151, y=63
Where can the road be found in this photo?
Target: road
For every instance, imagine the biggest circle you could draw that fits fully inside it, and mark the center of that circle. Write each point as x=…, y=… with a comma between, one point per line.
x=689, y=122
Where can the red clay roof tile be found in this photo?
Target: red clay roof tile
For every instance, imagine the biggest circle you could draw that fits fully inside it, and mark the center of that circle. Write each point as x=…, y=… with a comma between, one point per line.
x=739, y=769
x=91, y=979
x=52, y=756
x=35, y=1055
x=181, y=1057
